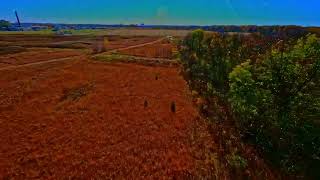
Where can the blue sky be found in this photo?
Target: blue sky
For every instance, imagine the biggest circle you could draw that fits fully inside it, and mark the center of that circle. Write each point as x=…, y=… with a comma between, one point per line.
x=179, y=12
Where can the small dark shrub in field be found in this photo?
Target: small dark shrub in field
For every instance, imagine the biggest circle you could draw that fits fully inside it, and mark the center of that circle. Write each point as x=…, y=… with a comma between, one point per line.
x=76, y=93
x=145, y=103
x=99, y=46
x=173, y=107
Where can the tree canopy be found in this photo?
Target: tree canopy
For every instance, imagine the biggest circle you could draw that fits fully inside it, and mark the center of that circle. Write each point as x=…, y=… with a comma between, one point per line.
x=4, y=24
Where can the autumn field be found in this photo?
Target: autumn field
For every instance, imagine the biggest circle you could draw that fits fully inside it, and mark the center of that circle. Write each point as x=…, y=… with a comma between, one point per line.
x=132, y=104
x=66, y=115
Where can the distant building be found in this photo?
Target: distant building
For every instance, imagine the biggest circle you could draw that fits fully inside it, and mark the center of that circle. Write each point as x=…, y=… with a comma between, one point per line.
x=63, y=32
x=39, y=27
x=15, y=27
x=4, y=28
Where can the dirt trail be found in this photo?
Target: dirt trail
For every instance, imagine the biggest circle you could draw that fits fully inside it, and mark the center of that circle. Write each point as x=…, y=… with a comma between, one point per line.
x=136, y=46
x=11, y=67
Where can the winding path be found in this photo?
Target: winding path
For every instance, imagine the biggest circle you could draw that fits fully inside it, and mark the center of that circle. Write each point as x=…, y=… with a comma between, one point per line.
x=11, y=67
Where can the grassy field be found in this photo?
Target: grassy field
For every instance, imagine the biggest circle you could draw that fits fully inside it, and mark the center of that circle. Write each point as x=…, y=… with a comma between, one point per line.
x=42, y=32
x=60, y=119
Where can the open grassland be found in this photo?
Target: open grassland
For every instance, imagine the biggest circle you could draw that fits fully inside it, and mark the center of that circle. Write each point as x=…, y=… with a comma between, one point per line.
x=42, y=32
x=19, y=43
x=33, y=55
x=45, y=41
x=84, y=118
x=89, y=119
x=162, y=49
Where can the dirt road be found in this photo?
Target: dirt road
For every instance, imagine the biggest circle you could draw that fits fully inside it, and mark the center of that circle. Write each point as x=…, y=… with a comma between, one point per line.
x=10, y=66
x=137, y=46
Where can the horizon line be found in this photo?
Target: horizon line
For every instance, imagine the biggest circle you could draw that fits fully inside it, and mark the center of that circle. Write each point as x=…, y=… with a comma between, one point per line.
x=182, y=25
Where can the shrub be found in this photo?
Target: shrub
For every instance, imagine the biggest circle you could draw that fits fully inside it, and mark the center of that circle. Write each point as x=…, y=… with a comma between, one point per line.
x=236, y=161
x=276, y=104
x=208, y=58
x=173, y=107
x=99, y=45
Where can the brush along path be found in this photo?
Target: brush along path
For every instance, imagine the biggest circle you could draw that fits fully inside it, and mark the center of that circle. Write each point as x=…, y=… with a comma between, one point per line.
x=136, y=46
x=106, y=57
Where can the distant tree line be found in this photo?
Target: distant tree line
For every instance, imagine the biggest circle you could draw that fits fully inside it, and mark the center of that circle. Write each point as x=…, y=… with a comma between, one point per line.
x=277, y=31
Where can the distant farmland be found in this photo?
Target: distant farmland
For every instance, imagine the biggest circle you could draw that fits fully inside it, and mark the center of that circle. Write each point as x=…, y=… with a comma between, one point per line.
x=110, y=32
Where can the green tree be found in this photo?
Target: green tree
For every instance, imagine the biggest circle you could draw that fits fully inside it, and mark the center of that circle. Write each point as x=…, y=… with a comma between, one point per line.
x=208, y=58
x=276, y=104
x=4, y=24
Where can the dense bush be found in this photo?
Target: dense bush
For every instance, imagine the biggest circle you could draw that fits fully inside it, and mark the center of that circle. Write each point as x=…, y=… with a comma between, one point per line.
x=4, y=25
x=276, y=103
x=208, y=58
x=273, y=90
